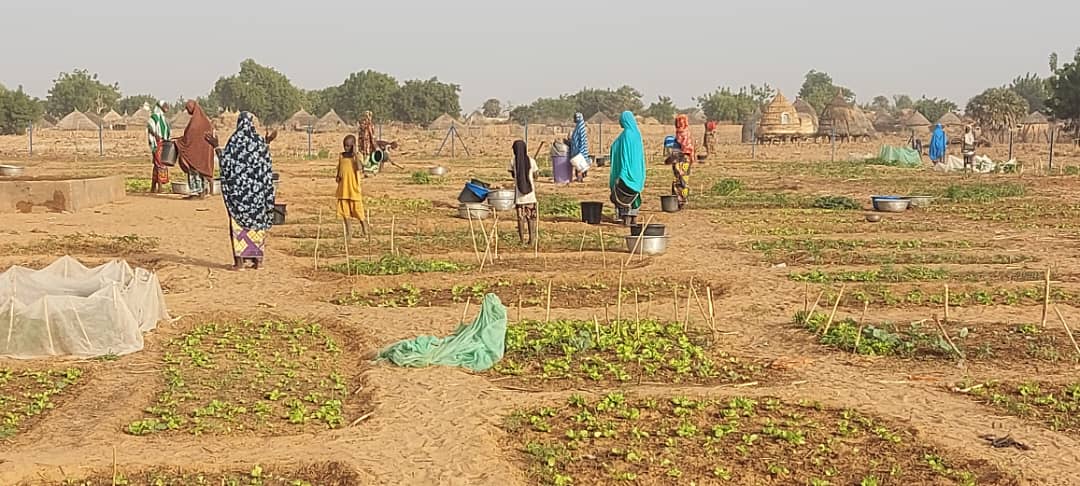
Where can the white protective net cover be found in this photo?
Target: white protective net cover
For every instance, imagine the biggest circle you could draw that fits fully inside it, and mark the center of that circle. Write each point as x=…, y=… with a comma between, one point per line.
x=66, y=309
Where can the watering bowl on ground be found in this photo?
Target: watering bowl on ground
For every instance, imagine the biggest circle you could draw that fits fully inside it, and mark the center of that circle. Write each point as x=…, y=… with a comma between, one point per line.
x=890, y=204
x=649, y=245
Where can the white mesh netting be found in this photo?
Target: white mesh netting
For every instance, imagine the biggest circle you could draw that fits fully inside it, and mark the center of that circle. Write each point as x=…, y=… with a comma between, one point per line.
x=66, y=309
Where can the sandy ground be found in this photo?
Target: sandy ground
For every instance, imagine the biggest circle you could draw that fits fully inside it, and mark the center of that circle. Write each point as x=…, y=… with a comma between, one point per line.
x=441, y=426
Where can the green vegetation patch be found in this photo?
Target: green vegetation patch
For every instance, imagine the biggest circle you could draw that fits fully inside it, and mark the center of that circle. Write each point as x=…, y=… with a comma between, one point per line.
x=396, y=265
x=883, y=274
x=267, y=377
x=27, y=395
x=983, y=192
x=617, y=439
x=563, y=353
x=874, y=339
x=327, y=474
x=1055, y=405
x=85, y=244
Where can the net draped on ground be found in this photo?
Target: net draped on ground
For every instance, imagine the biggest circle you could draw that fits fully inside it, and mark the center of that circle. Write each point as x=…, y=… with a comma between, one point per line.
x=67, y=309
x=477, y=346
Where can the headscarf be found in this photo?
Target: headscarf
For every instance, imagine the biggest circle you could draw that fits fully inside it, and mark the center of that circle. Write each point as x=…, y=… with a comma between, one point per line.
x=522, y=168
x=938, y=142
x=579, y=139
x=682, y=135
x=628, y=155
x=195, y=151
x=710, y=126
x=246, y=176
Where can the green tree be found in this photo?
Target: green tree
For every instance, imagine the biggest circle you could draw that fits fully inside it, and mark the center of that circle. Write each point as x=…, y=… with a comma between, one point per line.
x=1064, y=101
x=492, y=108
x=735, y=106
x=423, y=101
x=17, y=111
x=320, y=101
x=996, y=109
x=934, y=108
x=818, y=90
x=367, y=91
x=903, y=102
x=881, y=104
x=1033, y=89
x=589, y=101
x=663, y=109
x=80, y=90
x=259, y=89
x=131, y=104
x=546, y=110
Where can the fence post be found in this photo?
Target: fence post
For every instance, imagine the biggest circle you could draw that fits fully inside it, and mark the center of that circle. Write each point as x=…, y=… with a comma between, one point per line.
x=30, y=131
x=101, y=141
x=309, y=141
x=753, y=143
x=1010, y=146
x=526, y=131
x=1053, y=135
x=832, y=138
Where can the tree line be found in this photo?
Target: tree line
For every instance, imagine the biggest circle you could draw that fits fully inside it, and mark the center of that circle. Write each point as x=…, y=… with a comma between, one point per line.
x=270, y=94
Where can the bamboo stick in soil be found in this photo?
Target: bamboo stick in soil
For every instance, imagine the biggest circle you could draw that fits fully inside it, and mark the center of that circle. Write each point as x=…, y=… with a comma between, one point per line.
x=946, y=302
x=948, y=339
x=712, y=315
x=1046, y=297
x=547, y=312
x=318, y=237
x=393, y=225
x=348, y=259
x=862, y=325
x=637, y=242
x=675, y=301
x=618, y=297
x=1068, y=331
x=472, y=235
x=603, y=252
x=465, y=311
x=832, y=315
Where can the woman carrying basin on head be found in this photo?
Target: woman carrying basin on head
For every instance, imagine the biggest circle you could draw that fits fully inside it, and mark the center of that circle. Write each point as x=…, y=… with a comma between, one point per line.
x=627, y=178
x=248, y=189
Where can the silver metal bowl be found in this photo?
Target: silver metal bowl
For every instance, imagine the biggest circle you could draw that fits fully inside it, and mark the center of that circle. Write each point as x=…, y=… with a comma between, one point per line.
x=501, y=199
x=891, y=205
x=650, y=245
x=438, y=171
x=181, y=188
x=10, y=170
x=921, y=201
x=474, y=211
x=873, y=218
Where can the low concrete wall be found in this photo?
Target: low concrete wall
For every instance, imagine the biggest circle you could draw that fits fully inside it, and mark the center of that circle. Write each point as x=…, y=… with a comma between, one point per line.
x=25, y=195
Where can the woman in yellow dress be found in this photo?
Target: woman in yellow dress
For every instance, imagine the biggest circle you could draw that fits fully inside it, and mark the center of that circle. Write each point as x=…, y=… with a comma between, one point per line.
x=350, y=202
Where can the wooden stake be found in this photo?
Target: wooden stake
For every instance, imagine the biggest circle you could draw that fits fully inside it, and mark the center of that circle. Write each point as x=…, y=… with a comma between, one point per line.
x=536, y=238
x=114, y=471
x=637, y=242
x=946, y=302
x=1068, y=331
x=547, y=314
x=497, y=236
x=581, y=247
x=465, y=312
x=1046, y=297
x=862, y=325
x=675, y=301
x=816, y=301
x=686, y=312
x=318, y=236
x=618, y=298
x=701, y=308
x=348, y=259
x=947, y=338
x=603, y=253
x=806, y=297
x=519, y=307
x=832, y=315
x=712, y=316
x=487, y=250
x=637, y=313
x=472, y=235
x=393, y=224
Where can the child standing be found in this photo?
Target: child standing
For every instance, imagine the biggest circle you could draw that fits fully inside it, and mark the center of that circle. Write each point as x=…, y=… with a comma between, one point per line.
x=350, y=202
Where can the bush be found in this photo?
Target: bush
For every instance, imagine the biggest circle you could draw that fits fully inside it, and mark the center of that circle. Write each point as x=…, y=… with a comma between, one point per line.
x=397, y=265
x=983, y=192
x=420, y=177
x=726, y=187
x=835, y=202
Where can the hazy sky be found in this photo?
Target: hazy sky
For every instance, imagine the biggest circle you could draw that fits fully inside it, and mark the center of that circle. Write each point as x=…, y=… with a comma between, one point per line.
x=518, y=51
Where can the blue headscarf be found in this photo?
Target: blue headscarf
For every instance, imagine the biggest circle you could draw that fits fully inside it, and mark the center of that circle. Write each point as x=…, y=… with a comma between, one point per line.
x=628, y=155
x=579, y=140
x=246, y=176
x=937, y=143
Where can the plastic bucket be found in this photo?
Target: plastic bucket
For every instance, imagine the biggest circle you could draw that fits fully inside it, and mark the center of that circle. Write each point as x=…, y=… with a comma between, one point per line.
x=580, y=163
x=278, y=214
x=669, y=204
x=378, y=156
x=591, y=212
x=653, y=229
x=561, y=169
x=168, y=153
x=473, y=193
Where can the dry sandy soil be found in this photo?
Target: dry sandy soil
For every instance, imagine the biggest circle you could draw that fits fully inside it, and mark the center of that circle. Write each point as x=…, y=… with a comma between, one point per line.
x=444, y=426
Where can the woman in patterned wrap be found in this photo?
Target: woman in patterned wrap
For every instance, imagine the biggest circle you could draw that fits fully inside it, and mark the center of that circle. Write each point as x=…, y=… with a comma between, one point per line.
x=683, y=161
x=248, y=189
x=157, y=132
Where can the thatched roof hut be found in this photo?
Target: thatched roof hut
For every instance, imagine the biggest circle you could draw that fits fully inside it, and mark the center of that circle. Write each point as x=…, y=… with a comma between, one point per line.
x=886, y=122
x=1034, y=128
x=300, y=121
x=844, y=120
x=950, y=119
x=802, y=106
x=179, y=122
x=779, y=120
x=77, y=120
x=111, y=119
x=697, y=116
x=599, y=117
x=139, y=119
x=45, y=123
x=444, y=122
x=331, y=123
x=750, y=126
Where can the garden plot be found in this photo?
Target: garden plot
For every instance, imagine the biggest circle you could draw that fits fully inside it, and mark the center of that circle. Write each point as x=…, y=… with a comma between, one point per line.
x=27, y=395
x=265, y=377
x=617, y=439
x=88, y=244
x=883, y=252
x=1056, y=405
x=325, y=474
x=529, y=293
x=562, y=354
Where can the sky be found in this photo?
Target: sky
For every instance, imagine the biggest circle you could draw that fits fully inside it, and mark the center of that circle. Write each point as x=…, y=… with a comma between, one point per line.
x=518, y=51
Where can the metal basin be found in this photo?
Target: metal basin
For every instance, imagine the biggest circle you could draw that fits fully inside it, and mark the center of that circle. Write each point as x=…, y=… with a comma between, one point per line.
x=10, y=170
x=501, y=199
x=650, y=245
x=181, y=188
x=474, y=211
x=921, y=201
x=890, y=204
x=873, y=218
x=438, y=171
